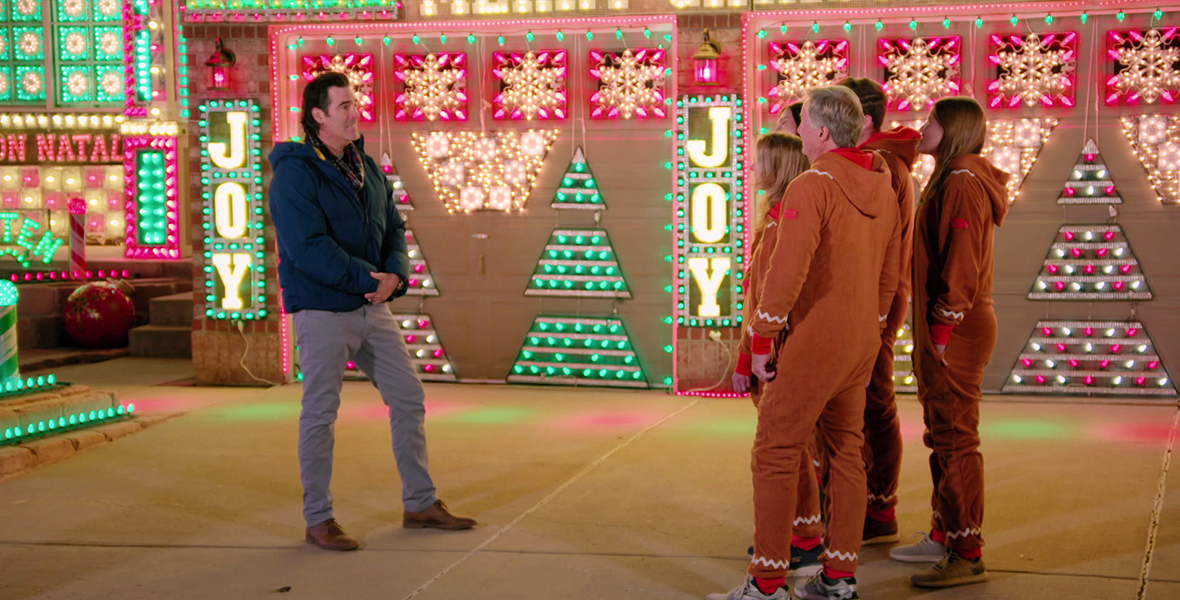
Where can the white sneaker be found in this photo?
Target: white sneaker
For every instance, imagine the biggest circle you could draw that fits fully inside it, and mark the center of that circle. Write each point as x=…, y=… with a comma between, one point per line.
x=925, y=550
x=748, y=590
x=820, y=587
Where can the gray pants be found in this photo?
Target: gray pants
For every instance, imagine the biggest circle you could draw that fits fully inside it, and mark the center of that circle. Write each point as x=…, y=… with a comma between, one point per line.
x=370, y=337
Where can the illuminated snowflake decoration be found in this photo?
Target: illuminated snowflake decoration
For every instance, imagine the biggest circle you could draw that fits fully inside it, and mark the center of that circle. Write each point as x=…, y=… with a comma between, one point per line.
x=485, y=170
x=1013, y=145
x=109, y=8
x=358, y=68
x=1156, y=142
x=920, y=71
x=78, y=83
x=630, y=84
x=76, y=43
x=1146, y=67
x=111, y=44
x=27, y=8
x=32, y=82
x=435, y=86
x=74, y=8
x=532, y=85
x=1033, y=70
x=30, y=43
x=801, y=67
x=112, y=84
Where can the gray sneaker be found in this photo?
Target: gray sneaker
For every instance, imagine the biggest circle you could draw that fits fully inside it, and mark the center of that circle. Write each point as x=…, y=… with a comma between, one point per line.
x=952, y=570
x=748, y=590
x=925, y=550
x=820, y=587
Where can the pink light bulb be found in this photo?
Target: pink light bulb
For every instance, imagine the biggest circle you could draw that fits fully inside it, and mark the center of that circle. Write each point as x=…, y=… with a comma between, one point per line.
x=1140, y=380
x=1061, y=347
x=438, y=353
x=1104, y=364
x=1116, y=348
x=1089, y=380
x=1089, y=331
x=1027, y=362
x=1089, y=269
x=1069, y=235
x=1153, y=364
x=1073, y=362
x=1041, y=379
x=1048, y=331
x=1132, y=331
x=411, y=338
x=1108, y=235
x=1053, y=269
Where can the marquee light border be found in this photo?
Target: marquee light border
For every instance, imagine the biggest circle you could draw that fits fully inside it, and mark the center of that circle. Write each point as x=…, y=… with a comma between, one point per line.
x=252, y=242
x=133, y=144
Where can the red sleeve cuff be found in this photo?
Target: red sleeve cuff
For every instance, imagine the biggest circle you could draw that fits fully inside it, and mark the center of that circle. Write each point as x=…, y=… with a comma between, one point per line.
x=743, y=365
x=941, y=334
x=760, y=345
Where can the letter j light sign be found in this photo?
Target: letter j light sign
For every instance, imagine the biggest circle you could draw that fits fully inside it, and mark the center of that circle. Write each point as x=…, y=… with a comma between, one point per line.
x=708, y=210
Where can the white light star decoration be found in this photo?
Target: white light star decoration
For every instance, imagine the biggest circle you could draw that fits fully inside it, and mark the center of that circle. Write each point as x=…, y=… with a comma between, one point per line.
x=1012, y=146
x=801, y=67
x=435, y=86
x=1146, y=66
x=484, y=170
x=532, y=85
x=1156, y=142
x=920, y=71
x=358, y=68
x=630, y=84
x=1033, y=70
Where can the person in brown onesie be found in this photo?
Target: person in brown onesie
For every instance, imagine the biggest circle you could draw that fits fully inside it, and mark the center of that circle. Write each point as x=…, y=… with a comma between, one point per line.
x=778, y=160
x=882, y=448
x=954, y=332
x=832, y=275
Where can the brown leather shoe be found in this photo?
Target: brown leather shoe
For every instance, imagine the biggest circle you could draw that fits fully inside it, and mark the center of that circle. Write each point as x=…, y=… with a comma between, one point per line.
x=436, y=517
x=330, y=536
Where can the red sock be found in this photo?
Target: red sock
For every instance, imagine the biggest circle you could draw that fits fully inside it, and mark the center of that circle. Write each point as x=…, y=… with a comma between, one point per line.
x=768, y=586
x=938, y=536
x=884, y=515
x=834, y=574
x=970, y=553
x=803, y=543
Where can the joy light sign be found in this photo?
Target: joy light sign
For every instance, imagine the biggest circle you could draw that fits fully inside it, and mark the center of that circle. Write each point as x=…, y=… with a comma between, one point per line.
x=708, y=211
x=231, y=173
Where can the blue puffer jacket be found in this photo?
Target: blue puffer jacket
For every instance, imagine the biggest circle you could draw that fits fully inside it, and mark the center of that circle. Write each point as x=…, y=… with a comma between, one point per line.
x=329, y=236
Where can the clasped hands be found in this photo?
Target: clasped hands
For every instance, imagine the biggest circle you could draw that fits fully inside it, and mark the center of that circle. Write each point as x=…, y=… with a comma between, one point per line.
x=387, y=284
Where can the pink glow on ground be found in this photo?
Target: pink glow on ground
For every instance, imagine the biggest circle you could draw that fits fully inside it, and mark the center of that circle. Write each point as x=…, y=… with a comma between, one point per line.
x=1133, y=433
x=165, y=405
x=609, y=420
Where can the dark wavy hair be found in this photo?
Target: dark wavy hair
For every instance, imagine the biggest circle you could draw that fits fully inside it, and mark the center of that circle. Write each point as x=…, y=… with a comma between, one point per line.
x=315, y=95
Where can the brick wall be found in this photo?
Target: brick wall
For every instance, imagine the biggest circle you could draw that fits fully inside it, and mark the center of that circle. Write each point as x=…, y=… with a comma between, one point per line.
x=218, y=346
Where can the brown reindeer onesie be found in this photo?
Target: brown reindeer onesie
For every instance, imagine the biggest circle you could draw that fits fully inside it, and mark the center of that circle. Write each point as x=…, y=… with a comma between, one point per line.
x=832, y=273
x=953, y=269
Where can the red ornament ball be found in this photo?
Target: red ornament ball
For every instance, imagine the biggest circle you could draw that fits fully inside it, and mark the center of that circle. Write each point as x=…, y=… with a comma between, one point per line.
x=99, y=315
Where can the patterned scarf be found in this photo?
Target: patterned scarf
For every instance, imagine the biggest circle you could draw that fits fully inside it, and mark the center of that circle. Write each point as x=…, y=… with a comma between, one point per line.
x=352, y=166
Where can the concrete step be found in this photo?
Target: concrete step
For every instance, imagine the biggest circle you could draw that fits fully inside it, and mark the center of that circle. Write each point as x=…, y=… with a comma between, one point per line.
x=175, y=310
x=162, y=341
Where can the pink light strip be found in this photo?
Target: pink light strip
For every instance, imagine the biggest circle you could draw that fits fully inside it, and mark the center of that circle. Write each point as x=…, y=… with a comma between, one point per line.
x=903, y=14
x=171, y=247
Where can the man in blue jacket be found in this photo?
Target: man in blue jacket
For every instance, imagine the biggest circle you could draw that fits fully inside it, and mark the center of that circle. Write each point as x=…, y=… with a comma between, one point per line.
x=342, y=255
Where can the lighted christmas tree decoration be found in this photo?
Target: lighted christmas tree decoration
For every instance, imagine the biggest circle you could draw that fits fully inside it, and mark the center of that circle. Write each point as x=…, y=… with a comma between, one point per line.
x=421, y=282
x=578, y=351
x=903, y=361
x=1156, y=142
x=1033, y=70
x=1147, y=66
x=630, y=85
x=1090, y=262
x=358, y=68
x=1098, y=358
x=400, y=196
x=1013, y=146
x=581, y=263
x=434, y=86
x=532, y=85
x=486, y=170
x=1089, y=181
x=579, y=188
x=919, y=71
x=801, y=67
x=427, y=356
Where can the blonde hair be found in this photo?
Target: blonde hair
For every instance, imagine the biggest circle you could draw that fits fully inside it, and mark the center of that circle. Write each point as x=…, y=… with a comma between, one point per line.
x=964, y=131
x=837, y=108
x=778, y=160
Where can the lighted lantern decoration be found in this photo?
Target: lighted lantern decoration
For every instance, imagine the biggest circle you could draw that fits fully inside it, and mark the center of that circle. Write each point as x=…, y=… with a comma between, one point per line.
x=219, y=65
x=705, y=62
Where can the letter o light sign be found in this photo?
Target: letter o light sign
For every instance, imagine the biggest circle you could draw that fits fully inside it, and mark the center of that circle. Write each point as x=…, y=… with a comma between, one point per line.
x=232, y=220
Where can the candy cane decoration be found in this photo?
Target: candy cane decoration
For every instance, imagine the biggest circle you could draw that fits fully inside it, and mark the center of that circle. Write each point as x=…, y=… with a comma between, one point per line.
x=78, y=237
x=9, y=361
